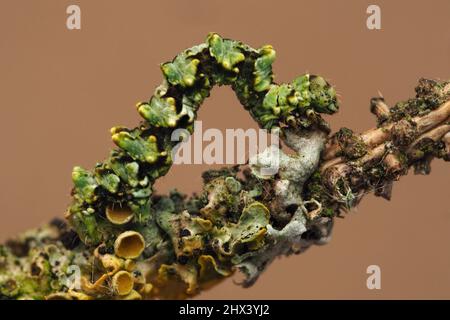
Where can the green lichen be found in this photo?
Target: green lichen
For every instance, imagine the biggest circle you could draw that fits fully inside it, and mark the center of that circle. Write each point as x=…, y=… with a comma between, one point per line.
x=143, y=153
x=188, y=242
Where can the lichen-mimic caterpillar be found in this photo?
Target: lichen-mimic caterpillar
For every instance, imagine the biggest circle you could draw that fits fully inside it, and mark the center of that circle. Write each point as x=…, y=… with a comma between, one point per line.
x=135, y=244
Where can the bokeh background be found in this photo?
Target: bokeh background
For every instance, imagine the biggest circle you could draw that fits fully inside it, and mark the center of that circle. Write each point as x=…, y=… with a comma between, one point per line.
x=61, y=91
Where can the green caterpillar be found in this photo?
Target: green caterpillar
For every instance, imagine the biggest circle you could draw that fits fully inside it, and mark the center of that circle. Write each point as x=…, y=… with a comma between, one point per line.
x=123, y=182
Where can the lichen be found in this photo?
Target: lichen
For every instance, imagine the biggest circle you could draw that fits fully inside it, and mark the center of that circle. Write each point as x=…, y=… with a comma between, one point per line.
x=124, y=241
x=191, y=242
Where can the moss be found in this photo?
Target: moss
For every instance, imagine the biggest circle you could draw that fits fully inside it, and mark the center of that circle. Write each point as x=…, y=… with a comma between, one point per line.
x=403, y=133
x=351, y=145
x=328, y=212
x=403, y=158
x=429, y=96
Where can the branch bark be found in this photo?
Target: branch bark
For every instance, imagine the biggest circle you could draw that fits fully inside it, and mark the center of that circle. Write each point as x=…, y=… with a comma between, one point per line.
x=410, y=134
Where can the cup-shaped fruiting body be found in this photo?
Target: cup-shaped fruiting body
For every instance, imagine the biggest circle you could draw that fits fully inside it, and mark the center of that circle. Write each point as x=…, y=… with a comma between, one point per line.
x=146, y=289
x=59, y=296
x=133, y=295
x=111, y=263
x=119, y=216
x=129, y=265
x=70, y=295
x=79, y=295
x=122, y=283
x=129, y=245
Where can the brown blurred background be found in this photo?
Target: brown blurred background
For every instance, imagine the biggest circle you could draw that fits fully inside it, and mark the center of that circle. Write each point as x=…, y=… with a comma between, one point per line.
x=61, y=91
